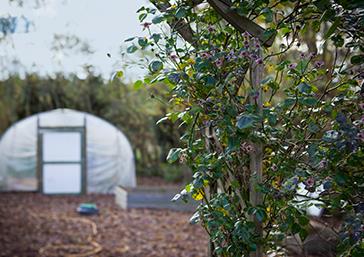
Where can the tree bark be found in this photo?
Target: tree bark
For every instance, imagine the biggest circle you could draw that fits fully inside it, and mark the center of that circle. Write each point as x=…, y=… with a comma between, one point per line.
x=256, y=156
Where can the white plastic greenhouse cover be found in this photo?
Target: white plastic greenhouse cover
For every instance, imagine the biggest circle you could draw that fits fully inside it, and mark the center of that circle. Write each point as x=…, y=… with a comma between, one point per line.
x=110, y=160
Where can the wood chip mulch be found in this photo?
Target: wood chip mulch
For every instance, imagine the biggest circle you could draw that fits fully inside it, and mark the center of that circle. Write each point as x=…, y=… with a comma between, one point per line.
x=32, y=224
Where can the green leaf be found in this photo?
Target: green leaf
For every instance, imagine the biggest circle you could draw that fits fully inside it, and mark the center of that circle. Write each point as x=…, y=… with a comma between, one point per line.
x=312, y=127
x=316, y=25
x=309, y=101
x=142, y=16
x=143, y=42
x=141, y=9
x=245, y=121
x=272, y=119
x=303, y=220
x=138, y=84
x=155, y=66
x=268, y=14
x=268, y=34
x=173, y=154
x=289, y=102
x=131, y=49
x=158, y=19
x=322, y=4
x=357, y=59
x=173, y=116
x=119, y=74
x=129, y=39
x=332, y=29
x=302, y=66
x=156, y=37
x=303, y=234
x=210, y=81
x=285, y=30
x=282, y=65
x=260, y=215
x=181, y=13
x=304, y=88
x=296, y=228
x=338, y=40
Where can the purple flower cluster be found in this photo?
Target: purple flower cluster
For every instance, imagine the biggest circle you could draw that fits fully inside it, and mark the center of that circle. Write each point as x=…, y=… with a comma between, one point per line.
x=274, y=167
x=231, y=56
x=219, y=62
x=173, y=57
x=205, y=55
x=309, y=183
x=292, y=66
x=322, y=164
x=312, y=55
x=318, y=64
x=146, y=25
x=210, y=29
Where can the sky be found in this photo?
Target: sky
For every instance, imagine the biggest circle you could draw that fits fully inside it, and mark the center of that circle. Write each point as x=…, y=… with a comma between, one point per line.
x=104, y=25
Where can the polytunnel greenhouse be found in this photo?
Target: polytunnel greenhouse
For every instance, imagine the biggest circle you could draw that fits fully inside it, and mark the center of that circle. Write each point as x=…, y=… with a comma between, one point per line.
x=65, y=152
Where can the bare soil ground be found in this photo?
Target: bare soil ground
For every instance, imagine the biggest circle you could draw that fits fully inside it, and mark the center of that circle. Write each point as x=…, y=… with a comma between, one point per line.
x=38, y=225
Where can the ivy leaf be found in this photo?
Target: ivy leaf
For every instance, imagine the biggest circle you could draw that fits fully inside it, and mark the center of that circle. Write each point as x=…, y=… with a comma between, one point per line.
x=357, y=59
x=181, y=12
x=296, y=228
x=260, y=215
x=131, y=49
x=142, y=16
x=245, y=121
x=304, y=88
x=155, y=66
x=338, y=40
x=173, y=154
x=119, y=74
x=309, y=101
x=268, y=14
x=157, y=19
x=129, y=39
x=302, y=66
x=143, y=42
x=272, y=119
x=312, y=127
x=332, y=28
x=138, y=84
x=156, y=37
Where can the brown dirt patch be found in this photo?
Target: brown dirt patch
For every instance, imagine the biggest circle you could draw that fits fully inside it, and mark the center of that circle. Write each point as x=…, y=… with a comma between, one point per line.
x=39, y=225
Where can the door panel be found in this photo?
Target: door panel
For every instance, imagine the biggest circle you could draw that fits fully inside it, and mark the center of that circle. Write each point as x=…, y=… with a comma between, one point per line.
x=61, y=161
x=62, y=178
x=61, y=146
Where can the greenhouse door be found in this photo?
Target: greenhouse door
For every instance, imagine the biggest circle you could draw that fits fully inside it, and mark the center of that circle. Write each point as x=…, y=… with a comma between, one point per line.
x=61, y=159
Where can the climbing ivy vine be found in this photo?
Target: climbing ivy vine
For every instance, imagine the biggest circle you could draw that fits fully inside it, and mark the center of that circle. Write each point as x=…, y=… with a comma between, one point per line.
x=271, y=97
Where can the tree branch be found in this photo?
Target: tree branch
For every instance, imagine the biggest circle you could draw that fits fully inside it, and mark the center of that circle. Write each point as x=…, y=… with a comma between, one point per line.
x=241, y=23
x=180, y=25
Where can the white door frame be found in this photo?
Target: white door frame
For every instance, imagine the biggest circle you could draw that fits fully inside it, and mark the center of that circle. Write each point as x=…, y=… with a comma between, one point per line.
x=41, y=162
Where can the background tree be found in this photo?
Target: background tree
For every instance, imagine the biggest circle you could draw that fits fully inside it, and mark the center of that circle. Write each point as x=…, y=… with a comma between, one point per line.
x=130, y=108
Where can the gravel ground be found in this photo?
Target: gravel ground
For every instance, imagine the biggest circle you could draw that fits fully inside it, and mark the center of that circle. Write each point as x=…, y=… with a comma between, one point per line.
x=38, y=225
